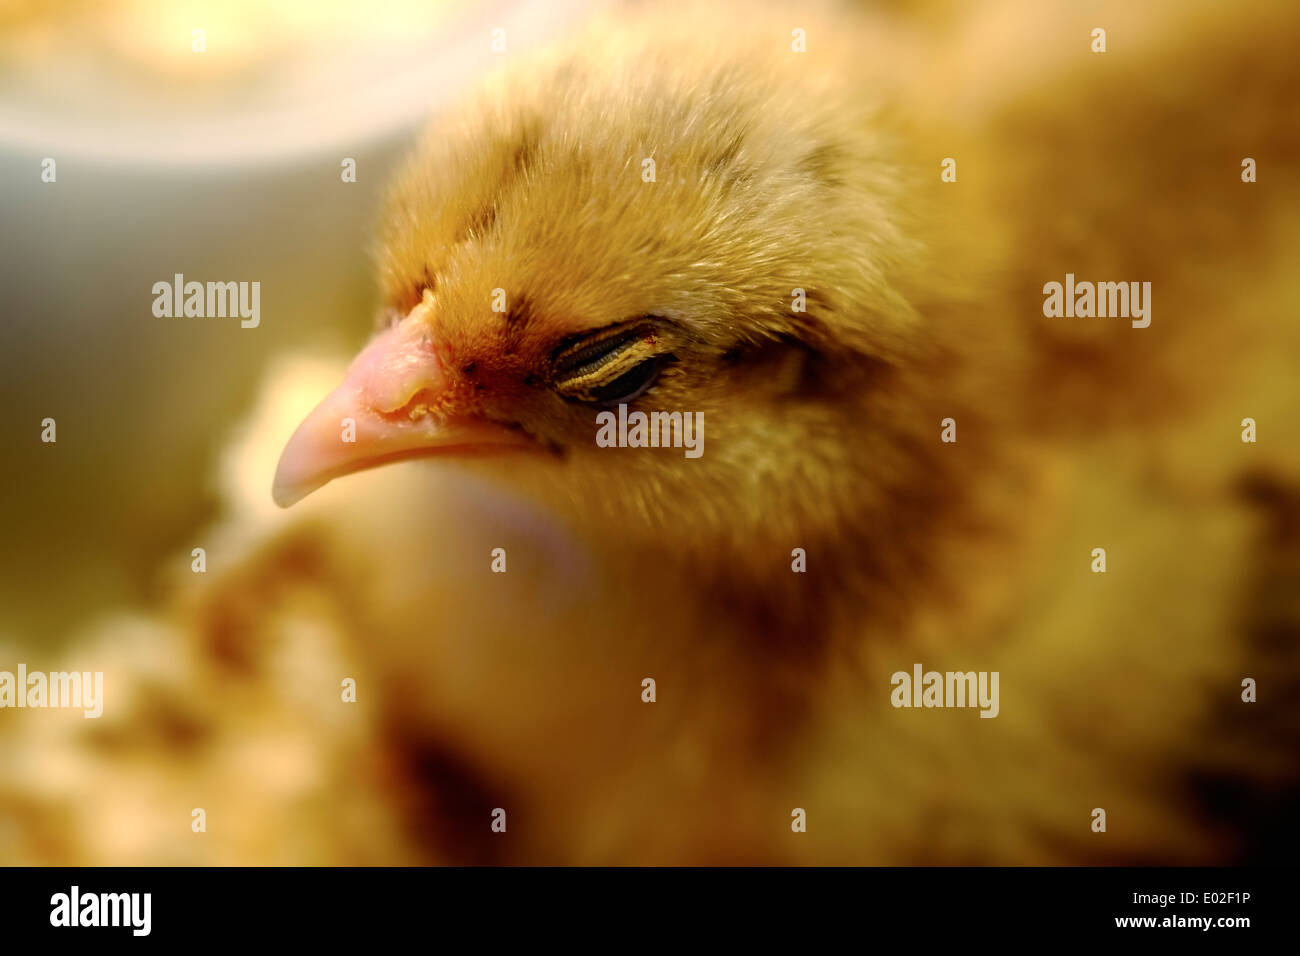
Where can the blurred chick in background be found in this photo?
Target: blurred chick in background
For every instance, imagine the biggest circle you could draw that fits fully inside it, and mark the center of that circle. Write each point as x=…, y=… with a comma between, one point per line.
x=774, y=171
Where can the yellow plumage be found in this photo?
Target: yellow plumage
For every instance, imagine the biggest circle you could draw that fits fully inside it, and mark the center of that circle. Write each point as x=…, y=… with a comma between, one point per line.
x=776, y=171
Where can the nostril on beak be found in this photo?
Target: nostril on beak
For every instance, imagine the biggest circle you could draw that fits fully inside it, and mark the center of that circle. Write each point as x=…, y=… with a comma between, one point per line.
x=397, y=366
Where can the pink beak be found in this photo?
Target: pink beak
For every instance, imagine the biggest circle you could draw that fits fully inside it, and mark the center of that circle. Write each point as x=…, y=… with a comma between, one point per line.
x=390, y=406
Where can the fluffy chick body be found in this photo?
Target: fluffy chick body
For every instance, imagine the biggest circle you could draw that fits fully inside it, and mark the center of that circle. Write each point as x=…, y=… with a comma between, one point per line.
x=774, y=172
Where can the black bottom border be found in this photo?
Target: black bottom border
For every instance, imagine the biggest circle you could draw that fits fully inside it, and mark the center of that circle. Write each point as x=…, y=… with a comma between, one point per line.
x=329, y=906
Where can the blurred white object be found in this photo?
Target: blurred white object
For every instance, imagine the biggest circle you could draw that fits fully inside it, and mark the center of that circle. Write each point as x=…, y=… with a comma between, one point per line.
x=124, y=80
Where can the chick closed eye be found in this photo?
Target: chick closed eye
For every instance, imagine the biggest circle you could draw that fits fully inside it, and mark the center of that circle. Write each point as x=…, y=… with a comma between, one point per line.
x=612, y=365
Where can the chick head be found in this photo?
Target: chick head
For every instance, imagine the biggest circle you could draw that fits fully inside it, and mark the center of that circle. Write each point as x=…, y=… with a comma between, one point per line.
x=648, y=224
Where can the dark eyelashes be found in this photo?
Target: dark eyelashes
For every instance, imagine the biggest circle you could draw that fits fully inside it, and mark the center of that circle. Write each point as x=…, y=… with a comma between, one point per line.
x=613, y=364
x=585, y=356
x=630, y=384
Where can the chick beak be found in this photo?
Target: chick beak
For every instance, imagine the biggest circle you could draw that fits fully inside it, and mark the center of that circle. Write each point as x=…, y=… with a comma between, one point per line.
x=394, y=403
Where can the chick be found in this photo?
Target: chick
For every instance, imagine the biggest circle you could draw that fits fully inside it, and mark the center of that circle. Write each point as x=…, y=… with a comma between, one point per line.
x=780, y=178
x=678, y=214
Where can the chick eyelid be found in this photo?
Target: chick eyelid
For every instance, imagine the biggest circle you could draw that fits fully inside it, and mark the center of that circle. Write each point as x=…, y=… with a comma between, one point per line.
x=583, y=366
x=627, y=385
x=591, y=348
